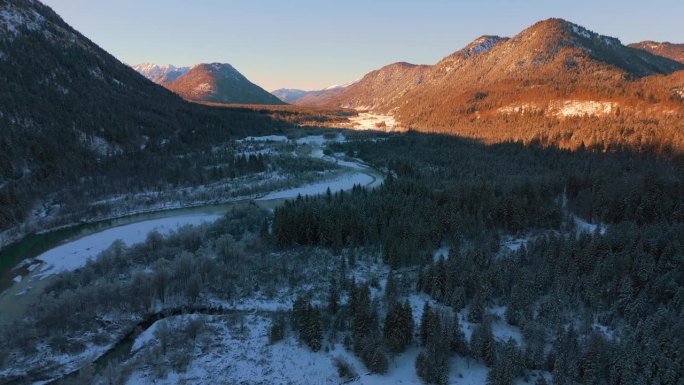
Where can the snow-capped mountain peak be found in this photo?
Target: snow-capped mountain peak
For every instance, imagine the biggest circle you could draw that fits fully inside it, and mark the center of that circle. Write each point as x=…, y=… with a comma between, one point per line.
x=160, y=74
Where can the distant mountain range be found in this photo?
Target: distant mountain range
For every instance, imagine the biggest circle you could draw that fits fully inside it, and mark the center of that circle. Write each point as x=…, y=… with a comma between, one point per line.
x=160, y=74
x=550, y=53
x=290, y=95
x=533, y=86
x=214, y=82
x=668, y=50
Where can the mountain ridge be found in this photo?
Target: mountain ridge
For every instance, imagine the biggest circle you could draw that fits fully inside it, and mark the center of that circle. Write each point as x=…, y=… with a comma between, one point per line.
x=219, y=83
x=160, y=74
x=291, y=95
x=665, y=49
x=552, y=75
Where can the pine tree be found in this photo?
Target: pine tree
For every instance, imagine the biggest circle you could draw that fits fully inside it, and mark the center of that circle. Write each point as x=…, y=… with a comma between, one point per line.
x=398, y=329
x=459, y=344
x=457, y=300
x=426, y=324
x=306, y=319
x=313, y=333
x=439, y=281
x=482, y=342
x=432, y=365
x=333, y=298
x=506, y=366
x=391, y=291
x=477, y=308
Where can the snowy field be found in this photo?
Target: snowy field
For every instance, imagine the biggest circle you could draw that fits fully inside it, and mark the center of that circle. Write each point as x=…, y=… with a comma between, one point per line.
x=240, y=351
x=75, y=254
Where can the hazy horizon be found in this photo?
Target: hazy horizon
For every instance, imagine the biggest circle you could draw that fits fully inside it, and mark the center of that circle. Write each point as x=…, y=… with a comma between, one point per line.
x=312, y=45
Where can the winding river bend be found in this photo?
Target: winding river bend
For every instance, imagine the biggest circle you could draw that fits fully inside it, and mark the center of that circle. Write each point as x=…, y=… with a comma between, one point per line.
x=25, y=266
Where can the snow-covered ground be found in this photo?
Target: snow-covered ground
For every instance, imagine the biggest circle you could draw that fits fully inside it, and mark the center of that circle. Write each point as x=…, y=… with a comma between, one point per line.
x=318, y=140
x=75, y=254
x=266, y=138
x=584, y=226
x=342, y=182
x=513, y=244
x=568, y=108
x=369, y=121
x=240, y=351
x=443, y=251
x=246, y=357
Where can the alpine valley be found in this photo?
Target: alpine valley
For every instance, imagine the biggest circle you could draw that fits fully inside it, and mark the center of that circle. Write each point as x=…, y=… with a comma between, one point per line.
x=512, y=214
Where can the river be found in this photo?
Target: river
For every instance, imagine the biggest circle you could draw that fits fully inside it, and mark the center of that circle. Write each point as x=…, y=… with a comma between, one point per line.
x=26, y=266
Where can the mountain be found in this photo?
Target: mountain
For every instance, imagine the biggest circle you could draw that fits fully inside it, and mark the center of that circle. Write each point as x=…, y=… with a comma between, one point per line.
x=219, y=83
x=666, y=49
x=547, y=76
x=76, y=122
x=289, y=95
x=160, y=74
x=379, y=89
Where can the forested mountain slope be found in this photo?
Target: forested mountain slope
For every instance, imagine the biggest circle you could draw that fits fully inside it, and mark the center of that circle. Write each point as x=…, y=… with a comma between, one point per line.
x=70, y=110
x=555, y=82
x=666, y=49
x=219, y=83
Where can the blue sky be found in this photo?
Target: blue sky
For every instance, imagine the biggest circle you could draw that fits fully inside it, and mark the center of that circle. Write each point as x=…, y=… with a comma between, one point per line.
x=313, y=44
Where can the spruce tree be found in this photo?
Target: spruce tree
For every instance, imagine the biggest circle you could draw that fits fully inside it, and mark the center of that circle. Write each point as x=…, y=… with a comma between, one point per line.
x=426, y=324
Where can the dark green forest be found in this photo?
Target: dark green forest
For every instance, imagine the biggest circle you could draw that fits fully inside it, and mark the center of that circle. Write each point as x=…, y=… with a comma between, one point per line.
x=445, y=189
x=626, y=276
x=600, y=307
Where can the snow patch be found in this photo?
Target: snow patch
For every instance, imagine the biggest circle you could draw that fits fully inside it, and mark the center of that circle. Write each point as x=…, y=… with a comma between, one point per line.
x=13, y=19
x=99, y=145
x=501, y=330
x=481, y=45
x=584, y=226
x=569, y=108
x=317, y=140
x=367, y=121
x=525, y=108
x=203, y=87
x=75, y=254
x=96, y=72
x=581, y=31
x=441, y=252
x=22, y=292
x=513, y=244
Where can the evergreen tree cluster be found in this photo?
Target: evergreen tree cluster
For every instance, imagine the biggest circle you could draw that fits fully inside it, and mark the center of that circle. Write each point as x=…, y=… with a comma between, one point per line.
x=306, y=319
x=626, y=279
x=398, y=327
